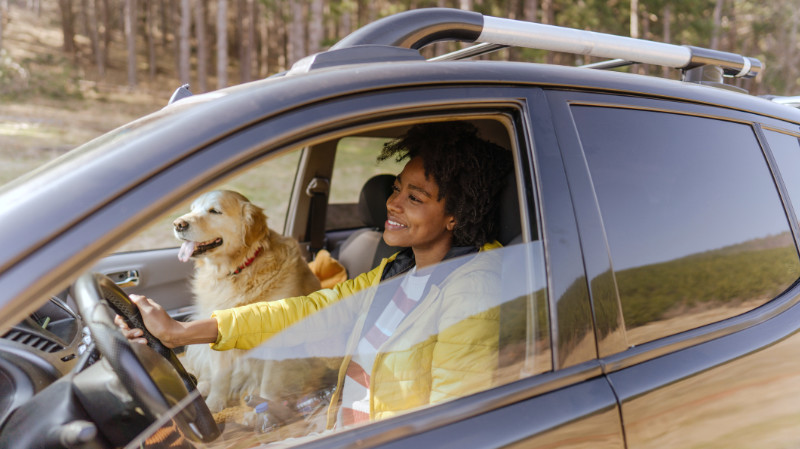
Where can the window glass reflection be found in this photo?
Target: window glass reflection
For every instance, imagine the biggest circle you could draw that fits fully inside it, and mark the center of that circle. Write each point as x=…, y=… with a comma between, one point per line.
x=487, y=327
x=695, y=227
x=786, y=149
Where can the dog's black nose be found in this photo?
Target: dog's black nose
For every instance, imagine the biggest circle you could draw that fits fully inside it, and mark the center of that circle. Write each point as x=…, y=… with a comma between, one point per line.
x=180, y=225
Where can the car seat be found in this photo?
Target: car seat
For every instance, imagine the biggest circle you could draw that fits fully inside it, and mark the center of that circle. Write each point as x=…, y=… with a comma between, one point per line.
x=364, y=249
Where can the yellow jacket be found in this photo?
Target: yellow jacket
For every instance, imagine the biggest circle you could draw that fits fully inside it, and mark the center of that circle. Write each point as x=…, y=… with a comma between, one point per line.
x=445, y=348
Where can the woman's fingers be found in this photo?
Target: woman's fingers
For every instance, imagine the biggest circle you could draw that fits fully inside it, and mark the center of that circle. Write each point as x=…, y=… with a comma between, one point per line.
x=135, y=335
x=155, y=318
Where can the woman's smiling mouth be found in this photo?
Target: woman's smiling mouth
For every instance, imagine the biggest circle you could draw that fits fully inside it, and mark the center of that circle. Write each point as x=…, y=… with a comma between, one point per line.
x=393, y=225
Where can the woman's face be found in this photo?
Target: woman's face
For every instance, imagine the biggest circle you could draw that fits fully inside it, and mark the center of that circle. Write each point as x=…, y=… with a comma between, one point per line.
x=416, y=217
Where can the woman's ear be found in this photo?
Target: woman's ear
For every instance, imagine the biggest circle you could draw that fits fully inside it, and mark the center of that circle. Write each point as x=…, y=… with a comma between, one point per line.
x=451, y=223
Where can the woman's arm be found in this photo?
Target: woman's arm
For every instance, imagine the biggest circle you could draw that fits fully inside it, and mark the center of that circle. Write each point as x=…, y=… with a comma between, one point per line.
x=172, y=333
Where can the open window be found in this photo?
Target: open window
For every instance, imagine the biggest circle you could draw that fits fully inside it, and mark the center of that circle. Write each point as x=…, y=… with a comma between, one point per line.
x=481, y=320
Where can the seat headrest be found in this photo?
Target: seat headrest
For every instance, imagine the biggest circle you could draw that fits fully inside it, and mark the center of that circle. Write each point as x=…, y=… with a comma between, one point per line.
x=509, y=217
x=372, y=200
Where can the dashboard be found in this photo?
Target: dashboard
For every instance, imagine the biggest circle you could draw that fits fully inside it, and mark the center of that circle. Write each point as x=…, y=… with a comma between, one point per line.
x=38, y=351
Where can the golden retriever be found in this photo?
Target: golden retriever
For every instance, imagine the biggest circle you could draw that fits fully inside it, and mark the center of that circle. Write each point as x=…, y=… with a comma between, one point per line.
x=239, y=260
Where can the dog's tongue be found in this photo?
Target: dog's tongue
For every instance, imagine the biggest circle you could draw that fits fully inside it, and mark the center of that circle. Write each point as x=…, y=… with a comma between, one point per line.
x=187, y=248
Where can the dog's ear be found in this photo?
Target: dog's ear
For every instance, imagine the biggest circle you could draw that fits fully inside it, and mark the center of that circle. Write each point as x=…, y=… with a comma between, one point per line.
x=254, y=224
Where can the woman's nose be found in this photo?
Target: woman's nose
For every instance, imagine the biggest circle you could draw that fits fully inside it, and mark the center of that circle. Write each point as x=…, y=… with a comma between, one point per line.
x=391, y=202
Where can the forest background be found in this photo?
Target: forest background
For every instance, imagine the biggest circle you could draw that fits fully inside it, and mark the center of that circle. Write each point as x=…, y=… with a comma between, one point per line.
x=73, y=69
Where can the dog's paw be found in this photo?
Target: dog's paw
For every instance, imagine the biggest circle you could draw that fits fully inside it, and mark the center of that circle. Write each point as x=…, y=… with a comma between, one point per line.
x=216, y=403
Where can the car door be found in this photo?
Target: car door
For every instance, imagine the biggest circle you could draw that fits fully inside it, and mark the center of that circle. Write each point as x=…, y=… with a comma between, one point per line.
x=558, y=395
x=689, y=229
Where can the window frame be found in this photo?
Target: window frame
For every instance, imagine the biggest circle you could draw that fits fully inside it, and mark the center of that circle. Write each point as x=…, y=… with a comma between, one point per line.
x=612, y=346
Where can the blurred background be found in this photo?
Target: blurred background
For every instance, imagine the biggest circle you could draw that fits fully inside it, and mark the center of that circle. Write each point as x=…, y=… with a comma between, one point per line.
x=71, y=70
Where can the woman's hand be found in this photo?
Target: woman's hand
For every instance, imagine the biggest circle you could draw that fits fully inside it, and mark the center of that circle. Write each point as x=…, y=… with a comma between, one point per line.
x=156, y=320
x=172, y=333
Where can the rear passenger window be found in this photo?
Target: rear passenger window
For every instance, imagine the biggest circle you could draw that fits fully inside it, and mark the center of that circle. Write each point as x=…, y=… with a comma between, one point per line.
x=786, y=149
x=695, y=227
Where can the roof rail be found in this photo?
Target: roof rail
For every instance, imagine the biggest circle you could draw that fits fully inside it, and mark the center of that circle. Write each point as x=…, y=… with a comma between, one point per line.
x=789, y=101
x=416, y=28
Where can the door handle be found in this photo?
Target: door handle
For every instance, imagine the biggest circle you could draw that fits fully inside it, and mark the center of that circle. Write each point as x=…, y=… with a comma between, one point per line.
x=129, y=278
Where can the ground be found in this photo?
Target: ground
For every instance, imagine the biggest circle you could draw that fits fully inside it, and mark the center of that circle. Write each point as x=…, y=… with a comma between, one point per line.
x=50, y=104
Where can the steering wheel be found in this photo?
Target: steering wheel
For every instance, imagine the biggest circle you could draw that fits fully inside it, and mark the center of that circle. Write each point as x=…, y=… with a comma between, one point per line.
x=95, y=295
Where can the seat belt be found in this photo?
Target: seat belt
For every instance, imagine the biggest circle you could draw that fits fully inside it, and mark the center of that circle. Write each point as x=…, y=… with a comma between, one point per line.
x=318, y=190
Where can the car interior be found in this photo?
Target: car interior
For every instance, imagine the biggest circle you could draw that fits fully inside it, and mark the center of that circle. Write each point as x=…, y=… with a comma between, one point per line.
x=52, y=343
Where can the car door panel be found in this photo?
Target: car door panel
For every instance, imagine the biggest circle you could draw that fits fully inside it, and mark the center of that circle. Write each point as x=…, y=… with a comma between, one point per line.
x=160, y=275
x=738, y=390
x=706, y=377
x=583, y=415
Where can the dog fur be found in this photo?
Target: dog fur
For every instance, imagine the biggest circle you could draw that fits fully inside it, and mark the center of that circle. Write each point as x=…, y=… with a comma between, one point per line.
x=221, y=233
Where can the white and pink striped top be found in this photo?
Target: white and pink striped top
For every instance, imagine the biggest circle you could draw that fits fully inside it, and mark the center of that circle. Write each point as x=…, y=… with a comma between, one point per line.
x=355, y=392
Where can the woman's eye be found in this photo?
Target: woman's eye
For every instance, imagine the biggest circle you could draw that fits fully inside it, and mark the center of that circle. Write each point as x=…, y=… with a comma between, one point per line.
x=214, y=211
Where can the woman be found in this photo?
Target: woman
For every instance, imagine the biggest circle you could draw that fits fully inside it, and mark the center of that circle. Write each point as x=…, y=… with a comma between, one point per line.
x=430, y=339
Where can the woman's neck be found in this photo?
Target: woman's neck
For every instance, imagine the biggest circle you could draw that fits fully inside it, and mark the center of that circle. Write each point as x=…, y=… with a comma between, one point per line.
x=425, y=257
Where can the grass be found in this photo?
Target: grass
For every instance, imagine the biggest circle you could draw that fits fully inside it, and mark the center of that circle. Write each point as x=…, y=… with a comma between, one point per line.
x=681, y=294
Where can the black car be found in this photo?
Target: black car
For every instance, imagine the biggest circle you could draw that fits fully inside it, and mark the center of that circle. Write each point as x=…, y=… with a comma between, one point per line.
x=649, y=267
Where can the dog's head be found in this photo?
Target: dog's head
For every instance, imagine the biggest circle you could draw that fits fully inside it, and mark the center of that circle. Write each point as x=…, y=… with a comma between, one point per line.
x=221, y=225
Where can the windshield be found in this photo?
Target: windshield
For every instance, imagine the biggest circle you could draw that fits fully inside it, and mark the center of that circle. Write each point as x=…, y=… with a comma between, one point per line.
x=374, y=351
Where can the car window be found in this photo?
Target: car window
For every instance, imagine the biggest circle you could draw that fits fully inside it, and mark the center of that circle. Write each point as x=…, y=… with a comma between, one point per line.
x=481, y=321
x=786, y=149
x=268, y=185
x=354, y=164
x=695, y=227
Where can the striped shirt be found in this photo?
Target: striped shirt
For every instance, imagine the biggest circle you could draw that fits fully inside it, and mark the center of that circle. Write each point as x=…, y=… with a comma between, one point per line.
x=355, y=392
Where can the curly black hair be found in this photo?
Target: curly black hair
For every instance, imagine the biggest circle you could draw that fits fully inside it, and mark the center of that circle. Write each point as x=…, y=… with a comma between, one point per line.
x=469, y=171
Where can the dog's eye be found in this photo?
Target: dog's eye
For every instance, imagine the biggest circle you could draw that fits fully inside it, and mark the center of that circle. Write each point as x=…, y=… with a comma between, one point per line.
x=214, y=211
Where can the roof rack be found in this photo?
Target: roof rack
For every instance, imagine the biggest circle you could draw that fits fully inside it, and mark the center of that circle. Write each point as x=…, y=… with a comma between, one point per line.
x=793, y=101
x=416, y=28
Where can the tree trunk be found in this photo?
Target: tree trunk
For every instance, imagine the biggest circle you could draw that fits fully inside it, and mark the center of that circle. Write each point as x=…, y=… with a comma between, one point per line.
x=130, y=36
x=222, y=43
x=151, y=38
x=717, y=24
x=258, y=20
x=176, y=22
x=202, y=47
x=345, y=20
x=165, y=27
x=245, y=41
x=106, y=15
x=185, y=44
x=297, y=35
x=3, y=13
x=67, y=26
x=315, y=26
x=530, y=10
x=277, y=45
x=97, y=49
x=791, y=56
x=667, y=37
x=548, y=18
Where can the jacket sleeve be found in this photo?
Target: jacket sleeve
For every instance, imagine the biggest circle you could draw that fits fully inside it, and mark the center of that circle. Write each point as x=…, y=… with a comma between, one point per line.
x=247, y=326
x=465, y=355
